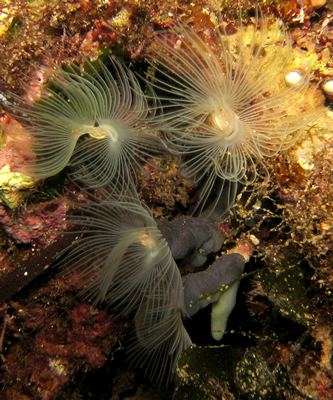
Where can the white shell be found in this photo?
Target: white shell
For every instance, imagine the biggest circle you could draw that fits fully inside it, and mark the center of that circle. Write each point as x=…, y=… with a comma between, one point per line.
x=328, y=87
x=294, y=78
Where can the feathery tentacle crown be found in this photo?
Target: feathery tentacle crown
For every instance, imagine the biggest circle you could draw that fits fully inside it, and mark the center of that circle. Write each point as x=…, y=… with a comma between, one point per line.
x=111, y=112
x=134, y=269
x=227, y=106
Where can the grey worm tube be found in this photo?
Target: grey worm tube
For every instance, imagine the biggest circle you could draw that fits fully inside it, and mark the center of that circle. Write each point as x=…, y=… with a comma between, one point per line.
x=191, y=239
x=221, y=273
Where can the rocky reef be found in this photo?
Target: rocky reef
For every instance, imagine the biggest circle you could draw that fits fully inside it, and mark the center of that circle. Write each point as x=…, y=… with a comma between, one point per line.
x=56, y=343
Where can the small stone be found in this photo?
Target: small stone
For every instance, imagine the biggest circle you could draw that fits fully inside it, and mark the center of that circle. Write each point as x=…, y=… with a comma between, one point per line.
x=294, y=78
x=254, y=240
x=328, y=88
x=318, y=3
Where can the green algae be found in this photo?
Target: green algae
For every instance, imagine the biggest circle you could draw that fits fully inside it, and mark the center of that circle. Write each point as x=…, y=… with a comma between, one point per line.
x=205, y=373
x=286, y=290
x=254, y=377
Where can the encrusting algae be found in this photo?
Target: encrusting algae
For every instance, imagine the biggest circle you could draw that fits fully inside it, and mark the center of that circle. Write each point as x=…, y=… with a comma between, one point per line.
x=221, y=103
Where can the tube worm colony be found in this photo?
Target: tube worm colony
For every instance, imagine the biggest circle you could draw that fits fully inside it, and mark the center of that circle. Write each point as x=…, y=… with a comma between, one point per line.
x=223, y=108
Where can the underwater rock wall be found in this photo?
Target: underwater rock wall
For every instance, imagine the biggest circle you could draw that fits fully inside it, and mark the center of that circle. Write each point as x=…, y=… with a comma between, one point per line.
x=284, y=314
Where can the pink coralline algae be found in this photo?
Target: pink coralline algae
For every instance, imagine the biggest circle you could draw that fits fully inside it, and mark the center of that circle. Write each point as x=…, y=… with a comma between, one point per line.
x=56, y=337
x=41, y=222
x=12, y=153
